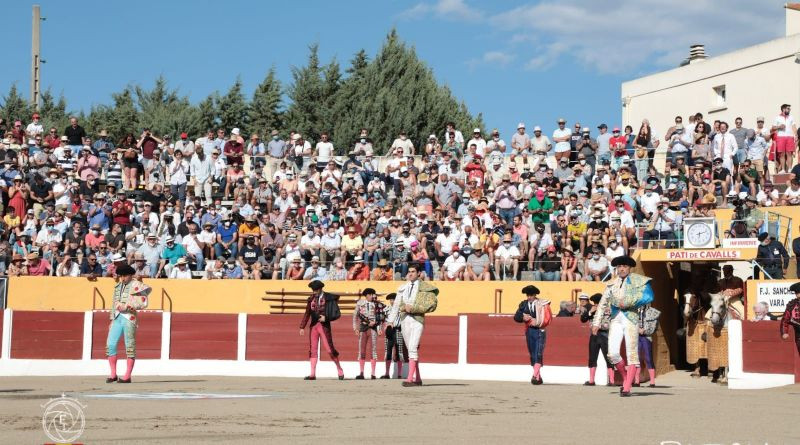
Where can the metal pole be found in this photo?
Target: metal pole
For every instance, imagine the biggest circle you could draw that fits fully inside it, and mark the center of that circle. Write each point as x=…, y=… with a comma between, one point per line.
x=35, y=58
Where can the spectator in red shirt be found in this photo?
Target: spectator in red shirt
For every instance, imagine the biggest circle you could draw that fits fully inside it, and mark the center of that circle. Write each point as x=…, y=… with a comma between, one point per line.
x=475, y=169
x=148, y=143
x=358, y=271
x=121, y=210
x=234, y=149
x=617, y=144
x=52, y=139
x=37, y=267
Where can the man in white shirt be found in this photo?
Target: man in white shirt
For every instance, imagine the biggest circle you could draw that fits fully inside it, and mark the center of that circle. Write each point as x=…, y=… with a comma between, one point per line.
x=650, y=200
x=785, y=143
x=725, y=146
x=453, y=267
x=194, y=246
x=520, y=142
x=403, y=142
x=507, y=255
x=495, y=143
x=202, y=169
x=323, y=151
x=185, y=145
x=181, y=270
x=33, y=129
x=540, y=142
x=562, y=136
x=480, y=143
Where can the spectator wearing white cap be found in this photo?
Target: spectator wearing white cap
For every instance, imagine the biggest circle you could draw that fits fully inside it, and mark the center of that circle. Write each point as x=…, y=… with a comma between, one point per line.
x=404, y=143
x=479, y=142
x=520, y=142
x=539, y=141
x=562, y=136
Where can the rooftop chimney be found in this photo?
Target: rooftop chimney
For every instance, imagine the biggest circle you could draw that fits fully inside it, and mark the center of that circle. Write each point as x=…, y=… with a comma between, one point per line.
x=697, y=53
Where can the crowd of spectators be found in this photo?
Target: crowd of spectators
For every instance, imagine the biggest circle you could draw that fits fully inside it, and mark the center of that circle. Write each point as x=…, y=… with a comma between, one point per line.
x=230, y=206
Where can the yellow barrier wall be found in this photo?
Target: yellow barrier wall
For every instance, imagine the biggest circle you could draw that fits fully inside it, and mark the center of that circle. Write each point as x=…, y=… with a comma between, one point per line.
x=234, y=296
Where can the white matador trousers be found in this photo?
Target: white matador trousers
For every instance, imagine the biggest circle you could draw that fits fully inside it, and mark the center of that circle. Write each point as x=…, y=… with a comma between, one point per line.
x=412, y=333
x=619, y=329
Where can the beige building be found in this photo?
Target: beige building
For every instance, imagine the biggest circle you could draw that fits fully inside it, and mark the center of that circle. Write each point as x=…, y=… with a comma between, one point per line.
x=749, y=82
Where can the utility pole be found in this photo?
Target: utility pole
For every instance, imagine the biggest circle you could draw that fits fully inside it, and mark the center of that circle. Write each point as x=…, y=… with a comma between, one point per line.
x=35, y=58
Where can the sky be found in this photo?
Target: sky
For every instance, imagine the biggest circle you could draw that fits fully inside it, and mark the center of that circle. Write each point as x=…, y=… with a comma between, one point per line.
x=514, y=61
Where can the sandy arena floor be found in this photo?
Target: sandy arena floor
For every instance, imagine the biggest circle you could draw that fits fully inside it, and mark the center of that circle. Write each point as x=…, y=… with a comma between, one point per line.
x=680, y=410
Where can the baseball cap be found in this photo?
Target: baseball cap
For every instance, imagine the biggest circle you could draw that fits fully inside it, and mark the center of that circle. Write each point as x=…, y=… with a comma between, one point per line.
x=520, y=125
x=602, y=126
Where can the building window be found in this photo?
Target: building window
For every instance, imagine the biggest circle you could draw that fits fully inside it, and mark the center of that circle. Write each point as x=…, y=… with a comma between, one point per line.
x=719, y=96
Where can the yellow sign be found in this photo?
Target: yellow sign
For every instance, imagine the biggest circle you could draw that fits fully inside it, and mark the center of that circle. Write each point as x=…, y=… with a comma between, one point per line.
x=697, y=254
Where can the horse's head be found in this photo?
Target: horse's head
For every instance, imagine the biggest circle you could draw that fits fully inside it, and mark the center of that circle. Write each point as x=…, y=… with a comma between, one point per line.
x=688, y=304
x=718, y=309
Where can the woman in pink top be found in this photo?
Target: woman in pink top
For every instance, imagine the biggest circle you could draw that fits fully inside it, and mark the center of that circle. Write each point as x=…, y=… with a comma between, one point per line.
x=88, y=164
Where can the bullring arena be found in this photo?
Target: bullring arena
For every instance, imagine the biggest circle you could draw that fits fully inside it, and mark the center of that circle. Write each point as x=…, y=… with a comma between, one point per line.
x=222, y=361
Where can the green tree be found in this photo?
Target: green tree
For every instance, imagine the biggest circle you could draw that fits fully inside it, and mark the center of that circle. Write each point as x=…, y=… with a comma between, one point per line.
x=395, y=92
x=15, y=107
x=53, y=112
x=264, y=111
x=305, y=94
x=232, y=108
x=208, y=115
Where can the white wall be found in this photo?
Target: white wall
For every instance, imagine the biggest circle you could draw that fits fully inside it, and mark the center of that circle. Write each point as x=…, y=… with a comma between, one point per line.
x=757, y=81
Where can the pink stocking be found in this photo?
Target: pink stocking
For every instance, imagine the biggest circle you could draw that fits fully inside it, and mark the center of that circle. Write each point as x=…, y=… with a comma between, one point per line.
x=412, y=369
x=361, y=366
x=400, y=369
x=112, y=362
x=372, y=364
x=620, y=367
x=611, y=375
x=637, y=376
x=536, y=370
x=417, y=376
x=592, y=372
x=338, y=366
x=388, y=366
x=631, y=372
x=128, y=371
x=313, y=367
x=652, y=373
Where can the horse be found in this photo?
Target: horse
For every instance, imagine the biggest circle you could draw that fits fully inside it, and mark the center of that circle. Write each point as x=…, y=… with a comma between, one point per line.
x=717, y=336
x=694, y=331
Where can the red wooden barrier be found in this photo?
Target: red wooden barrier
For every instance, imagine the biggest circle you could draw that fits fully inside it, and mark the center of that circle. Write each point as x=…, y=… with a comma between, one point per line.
x=148, y=336
x=276, y=337
x=763, y=350
x=203, y=336
x=47, y=335
x=439, y=341
x=498, y=340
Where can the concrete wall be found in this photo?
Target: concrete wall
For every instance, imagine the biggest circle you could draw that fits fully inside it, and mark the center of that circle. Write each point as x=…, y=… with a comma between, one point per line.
x=757, y=79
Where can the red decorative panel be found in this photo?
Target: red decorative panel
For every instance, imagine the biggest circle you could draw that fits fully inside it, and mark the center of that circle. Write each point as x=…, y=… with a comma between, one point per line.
x=763, y=350
x=276, y=337
x=439, y=340
x=498, y=340
x=47, y=335
x=204, y=336
x=148, y=336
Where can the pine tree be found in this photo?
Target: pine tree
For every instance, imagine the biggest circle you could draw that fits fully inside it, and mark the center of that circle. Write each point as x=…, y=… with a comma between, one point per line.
x=303, y=115
x=208, y=116
x=233, y=108
x=15, y=107
x=331, y=82
x=264, y=110
x=53, y=113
